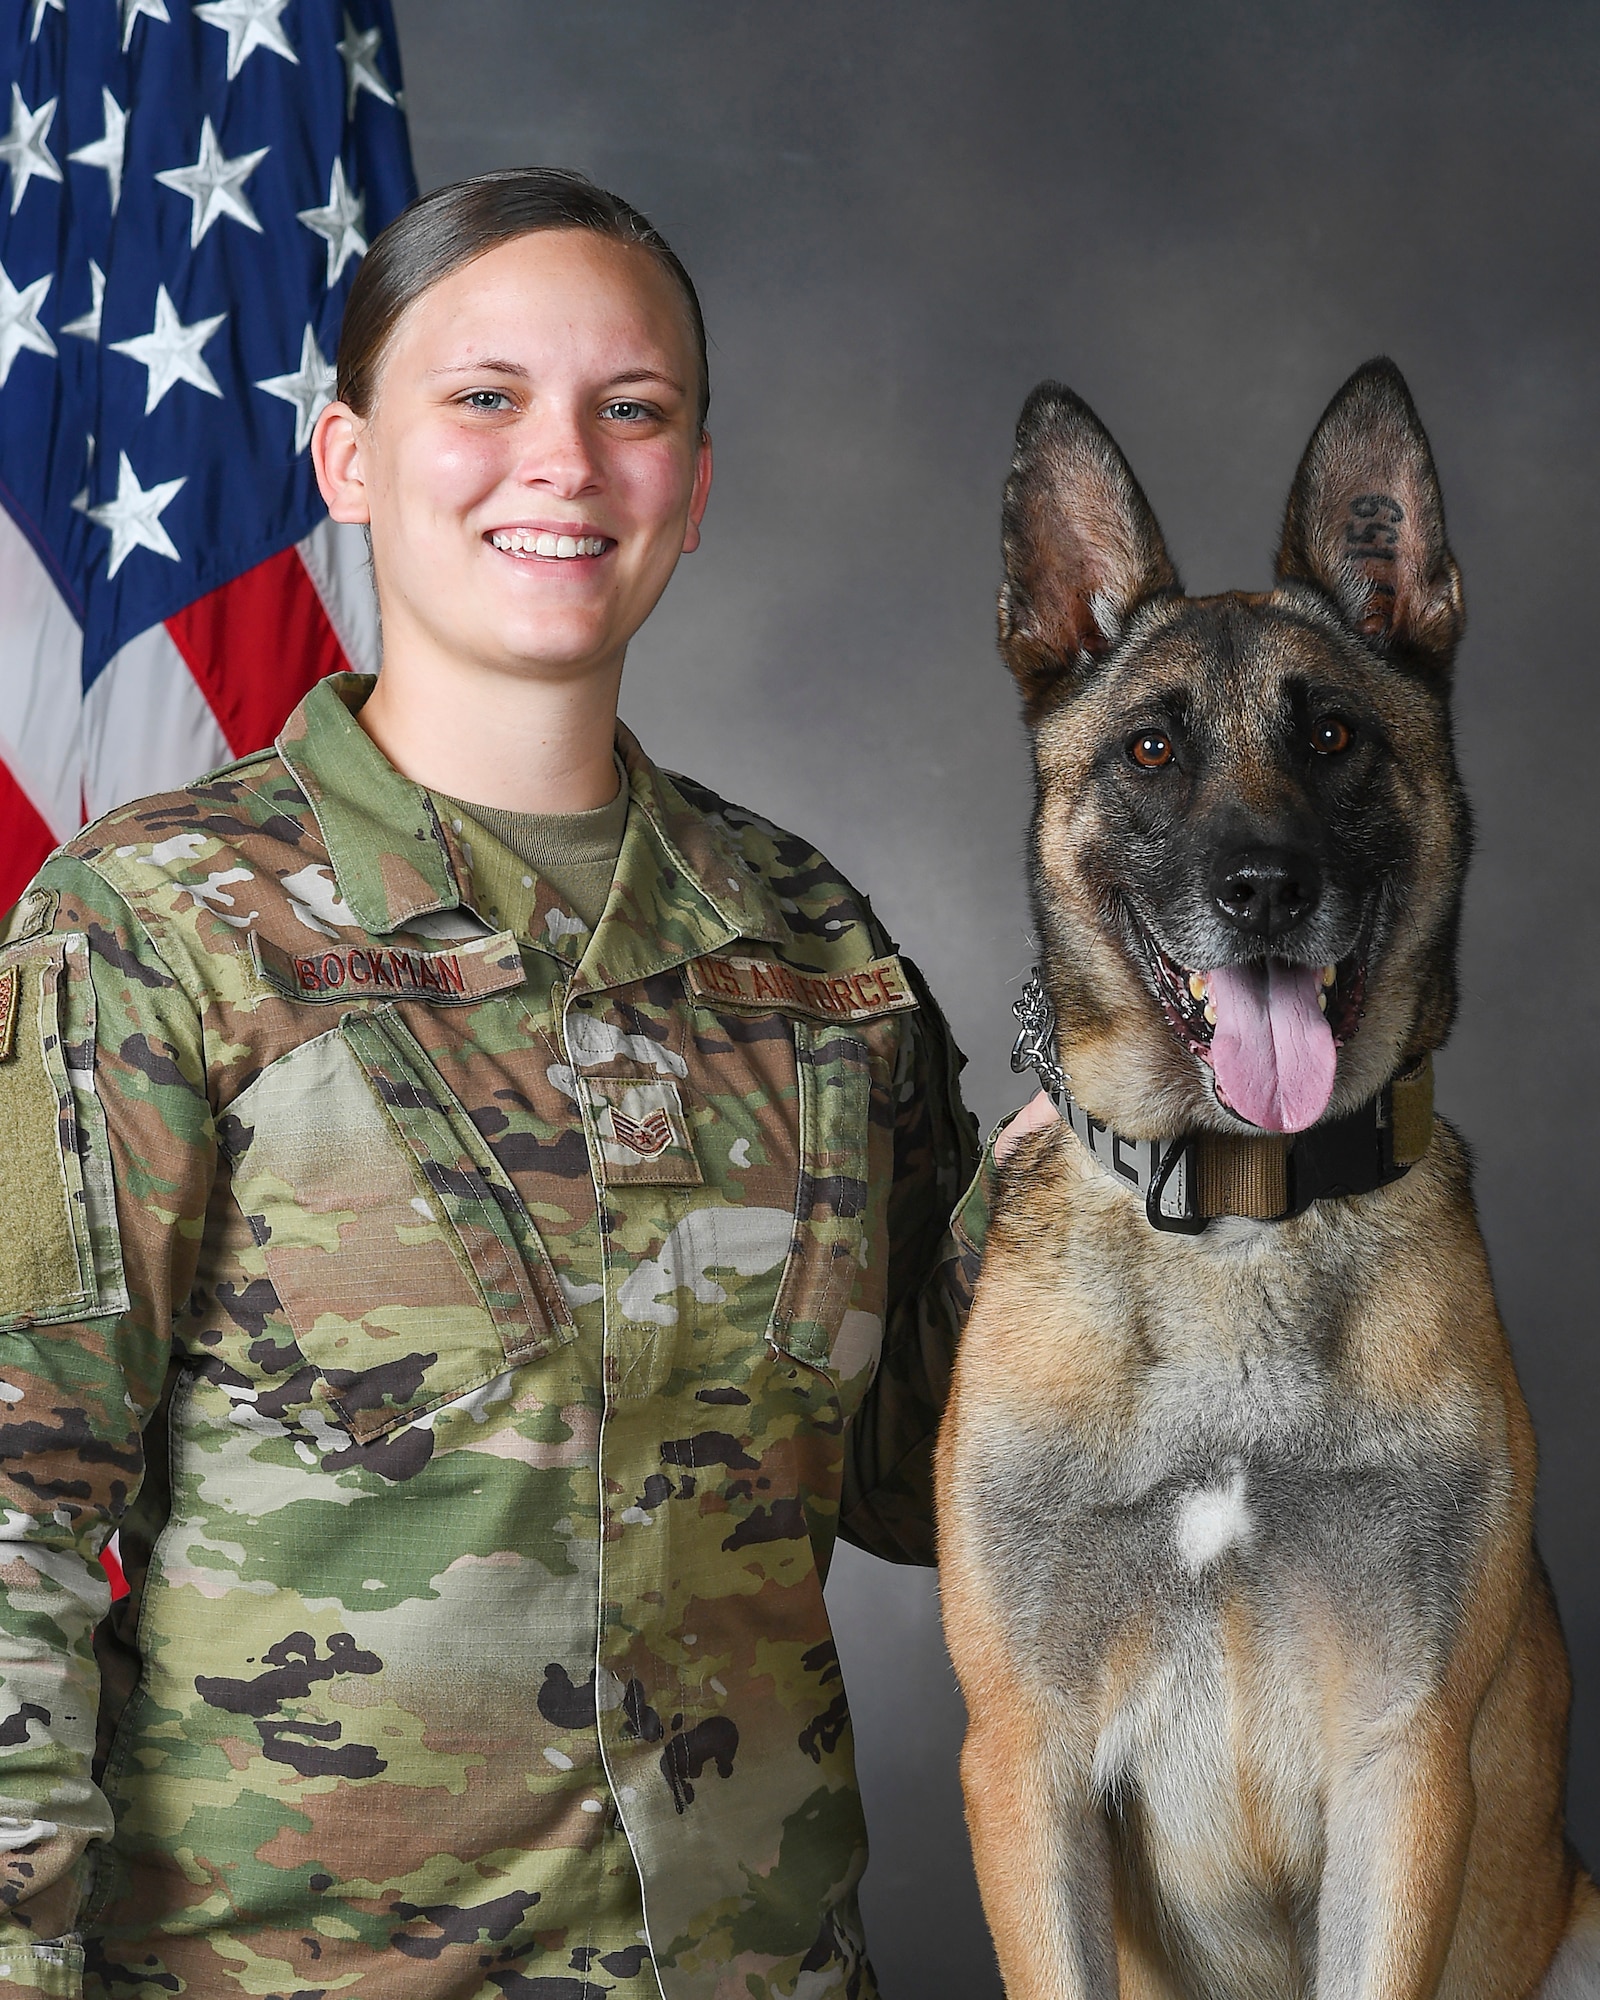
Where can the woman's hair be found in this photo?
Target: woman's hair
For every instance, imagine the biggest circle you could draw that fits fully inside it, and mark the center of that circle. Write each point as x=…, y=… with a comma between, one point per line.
x=448, y=228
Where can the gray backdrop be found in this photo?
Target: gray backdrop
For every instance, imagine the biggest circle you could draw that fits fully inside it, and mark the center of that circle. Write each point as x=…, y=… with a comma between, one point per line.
x=1202, y=215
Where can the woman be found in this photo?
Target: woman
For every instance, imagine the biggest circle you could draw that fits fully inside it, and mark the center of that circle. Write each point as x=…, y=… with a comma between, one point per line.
x=482, y=1231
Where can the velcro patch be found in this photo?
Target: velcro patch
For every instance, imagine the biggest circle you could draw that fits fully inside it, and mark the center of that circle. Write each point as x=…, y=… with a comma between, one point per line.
x=59, y=1256
x=10, y=1002
x=642, y=1133
x=465, y=972
x=863, y=995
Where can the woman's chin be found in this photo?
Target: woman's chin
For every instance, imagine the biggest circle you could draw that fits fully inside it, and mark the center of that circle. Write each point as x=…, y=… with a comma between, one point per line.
x=561, y=655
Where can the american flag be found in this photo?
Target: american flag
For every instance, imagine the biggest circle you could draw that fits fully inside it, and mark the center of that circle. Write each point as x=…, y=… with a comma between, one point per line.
x=186, y=191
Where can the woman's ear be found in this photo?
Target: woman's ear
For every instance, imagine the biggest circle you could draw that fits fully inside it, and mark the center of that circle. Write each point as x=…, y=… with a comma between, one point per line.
x=700, y=493
x=336, y=439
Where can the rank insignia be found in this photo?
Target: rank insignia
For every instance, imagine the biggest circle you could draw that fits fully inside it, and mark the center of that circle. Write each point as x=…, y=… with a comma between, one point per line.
x=642, y=1131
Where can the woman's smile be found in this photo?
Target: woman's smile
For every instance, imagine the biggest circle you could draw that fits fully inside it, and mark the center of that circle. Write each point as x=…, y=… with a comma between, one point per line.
x=545, y=544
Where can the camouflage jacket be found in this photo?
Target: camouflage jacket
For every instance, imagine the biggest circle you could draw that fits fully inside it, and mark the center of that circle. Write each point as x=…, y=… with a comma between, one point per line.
x=478, y=1332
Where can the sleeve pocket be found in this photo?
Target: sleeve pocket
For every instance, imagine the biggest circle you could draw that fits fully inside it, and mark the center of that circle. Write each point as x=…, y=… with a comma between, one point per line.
x=60, y=1255
x=834, y=1071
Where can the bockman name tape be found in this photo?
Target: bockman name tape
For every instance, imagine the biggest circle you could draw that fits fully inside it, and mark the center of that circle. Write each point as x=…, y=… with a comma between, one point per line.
x=452, y=978
x=863, y=995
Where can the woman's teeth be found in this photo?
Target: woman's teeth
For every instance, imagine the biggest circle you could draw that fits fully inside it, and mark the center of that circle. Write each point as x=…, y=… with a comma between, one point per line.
x=524, y=542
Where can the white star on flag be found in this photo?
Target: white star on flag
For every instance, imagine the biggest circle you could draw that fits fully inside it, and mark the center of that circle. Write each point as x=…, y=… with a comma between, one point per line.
x=40, y=8
x=310, y=389
x=215, y=185
x=171, y=352
x=23, y=148
x=107, y=151
x=134, y=517
x=87, y=325
x=361, y=72
x=132, y=9
x=340, y=224
x=249, y=25
x=19, y=321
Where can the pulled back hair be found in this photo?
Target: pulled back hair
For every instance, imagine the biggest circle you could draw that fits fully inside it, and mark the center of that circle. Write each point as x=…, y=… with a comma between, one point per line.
x=450, y=227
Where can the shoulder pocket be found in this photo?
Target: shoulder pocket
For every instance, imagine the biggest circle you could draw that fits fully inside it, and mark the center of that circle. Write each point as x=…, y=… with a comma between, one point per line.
x=401, y=1253
x=60, y=1256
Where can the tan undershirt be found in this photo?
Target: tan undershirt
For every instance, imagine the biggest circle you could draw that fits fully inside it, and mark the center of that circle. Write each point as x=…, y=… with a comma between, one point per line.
x=575, y=852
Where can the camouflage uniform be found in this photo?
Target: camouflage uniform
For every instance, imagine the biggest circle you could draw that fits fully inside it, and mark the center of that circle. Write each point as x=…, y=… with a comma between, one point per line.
x=474, y=1327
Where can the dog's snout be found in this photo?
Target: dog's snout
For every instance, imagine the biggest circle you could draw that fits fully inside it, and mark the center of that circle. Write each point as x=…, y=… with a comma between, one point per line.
x=1266, y=890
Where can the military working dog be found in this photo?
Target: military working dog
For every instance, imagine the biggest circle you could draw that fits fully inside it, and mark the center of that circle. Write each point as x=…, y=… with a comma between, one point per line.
x=1267, y=1694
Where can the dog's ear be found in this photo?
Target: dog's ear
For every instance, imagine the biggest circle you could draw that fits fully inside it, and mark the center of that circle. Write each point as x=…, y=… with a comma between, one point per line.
x=1365, y=522
x=1081, y=546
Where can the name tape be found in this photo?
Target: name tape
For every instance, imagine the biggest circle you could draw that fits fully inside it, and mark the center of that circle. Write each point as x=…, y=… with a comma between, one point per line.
x=451, y=978
x=863, y=995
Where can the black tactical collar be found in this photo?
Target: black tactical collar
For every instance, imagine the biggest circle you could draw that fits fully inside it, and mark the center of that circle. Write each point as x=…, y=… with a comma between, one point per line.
x=1269, y=1176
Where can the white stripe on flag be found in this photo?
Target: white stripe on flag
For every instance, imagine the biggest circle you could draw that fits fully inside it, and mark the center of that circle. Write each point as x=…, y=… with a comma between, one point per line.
x=41, y=657
x=146, y=726
x=335, y=556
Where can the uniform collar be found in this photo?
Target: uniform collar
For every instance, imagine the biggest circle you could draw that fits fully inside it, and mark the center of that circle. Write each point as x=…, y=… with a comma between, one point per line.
x=682, y=887
x=383, y=839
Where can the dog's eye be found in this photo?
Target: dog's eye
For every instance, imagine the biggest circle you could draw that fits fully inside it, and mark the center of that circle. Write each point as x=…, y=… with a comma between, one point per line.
x=1330, y=734
x=1151, y=749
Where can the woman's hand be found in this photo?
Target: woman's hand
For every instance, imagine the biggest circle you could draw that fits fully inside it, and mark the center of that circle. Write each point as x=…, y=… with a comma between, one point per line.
x=1035, y=1115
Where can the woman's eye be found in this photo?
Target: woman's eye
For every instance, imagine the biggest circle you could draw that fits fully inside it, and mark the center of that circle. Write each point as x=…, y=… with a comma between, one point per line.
x=1150, y=749
x=625, y=410
x=1330, y=734
x=487, y=399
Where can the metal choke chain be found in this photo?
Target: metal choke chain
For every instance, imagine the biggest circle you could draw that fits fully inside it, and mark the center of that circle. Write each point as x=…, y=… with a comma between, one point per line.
x=1036, y=1044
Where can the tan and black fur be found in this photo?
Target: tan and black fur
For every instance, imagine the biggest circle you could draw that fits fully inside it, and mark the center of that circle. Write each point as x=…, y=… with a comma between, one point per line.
x=1267, y=1694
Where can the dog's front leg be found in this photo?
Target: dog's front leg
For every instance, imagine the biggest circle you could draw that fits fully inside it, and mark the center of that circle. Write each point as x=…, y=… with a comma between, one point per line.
x=1400, y=1816
x=1040, y=1846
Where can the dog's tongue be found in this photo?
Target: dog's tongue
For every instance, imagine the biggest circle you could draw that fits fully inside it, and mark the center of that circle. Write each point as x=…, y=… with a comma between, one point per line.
x=1272, y=1049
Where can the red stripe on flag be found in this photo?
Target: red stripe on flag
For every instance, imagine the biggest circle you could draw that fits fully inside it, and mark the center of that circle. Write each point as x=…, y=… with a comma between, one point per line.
x=111, y=1563
x=256, y=646
x=25, y=840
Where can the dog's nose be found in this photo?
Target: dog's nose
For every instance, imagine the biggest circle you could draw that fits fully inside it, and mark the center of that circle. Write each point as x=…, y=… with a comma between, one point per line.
x=1266, y=890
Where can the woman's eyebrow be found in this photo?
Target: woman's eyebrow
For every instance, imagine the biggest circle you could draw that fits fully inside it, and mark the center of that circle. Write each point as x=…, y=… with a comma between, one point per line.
x=492, y=365
x=648, y=375
x=488, y=365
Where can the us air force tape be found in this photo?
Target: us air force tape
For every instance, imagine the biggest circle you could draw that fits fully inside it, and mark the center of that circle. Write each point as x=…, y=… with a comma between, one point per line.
x=863, y=994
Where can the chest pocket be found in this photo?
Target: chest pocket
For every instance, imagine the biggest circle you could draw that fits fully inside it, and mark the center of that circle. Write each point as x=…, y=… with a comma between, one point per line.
x=400, y=1252
x=831, y=1297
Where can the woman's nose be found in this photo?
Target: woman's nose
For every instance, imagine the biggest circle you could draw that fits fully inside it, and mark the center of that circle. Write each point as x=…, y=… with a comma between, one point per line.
x=558, y=453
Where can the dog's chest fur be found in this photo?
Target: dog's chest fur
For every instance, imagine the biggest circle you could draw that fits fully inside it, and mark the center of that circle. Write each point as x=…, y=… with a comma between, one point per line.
x=1215, y=1525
